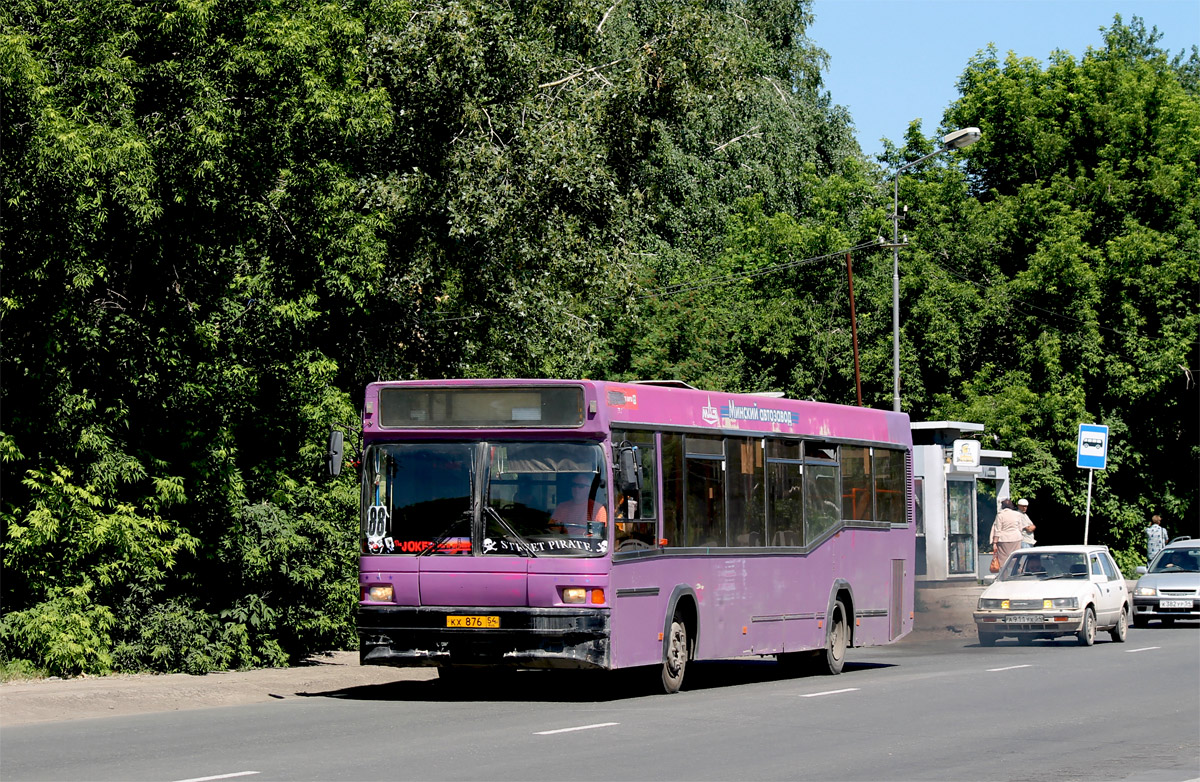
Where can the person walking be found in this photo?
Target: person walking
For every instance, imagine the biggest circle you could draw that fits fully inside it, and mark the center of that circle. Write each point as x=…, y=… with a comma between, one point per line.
x=1006, y=531
x=1027, y=539
x=1156, y=537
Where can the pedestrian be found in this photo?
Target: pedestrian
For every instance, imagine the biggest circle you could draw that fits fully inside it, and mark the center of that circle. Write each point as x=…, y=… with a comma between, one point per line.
x=1027, y=539
x=1156, y=537
x=1006, y=531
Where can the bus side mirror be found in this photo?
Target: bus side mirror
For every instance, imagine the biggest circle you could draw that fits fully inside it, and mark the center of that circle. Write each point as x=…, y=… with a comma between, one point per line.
x=337, y=447
x=629, y=472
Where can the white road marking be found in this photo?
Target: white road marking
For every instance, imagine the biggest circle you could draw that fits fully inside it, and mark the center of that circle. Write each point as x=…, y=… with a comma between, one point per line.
x=220, y=776
x=829, y=692
x=1009, y=668
x=1143, y=649
x=581, y=727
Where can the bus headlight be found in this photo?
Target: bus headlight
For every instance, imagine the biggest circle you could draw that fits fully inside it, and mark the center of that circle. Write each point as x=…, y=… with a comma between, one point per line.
x=381, y=593
x=574, y=595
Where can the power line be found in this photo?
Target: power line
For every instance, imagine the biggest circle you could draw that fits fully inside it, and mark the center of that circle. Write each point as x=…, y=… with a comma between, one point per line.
x=684, y=287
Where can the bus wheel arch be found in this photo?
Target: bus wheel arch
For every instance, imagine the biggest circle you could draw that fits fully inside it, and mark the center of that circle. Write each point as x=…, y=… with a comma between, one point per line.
x=680, y=633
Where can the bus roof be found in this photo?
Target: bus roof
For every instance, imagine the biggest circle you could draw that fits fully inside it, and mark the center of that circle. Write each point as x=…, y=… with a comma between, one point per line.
x=606, y=405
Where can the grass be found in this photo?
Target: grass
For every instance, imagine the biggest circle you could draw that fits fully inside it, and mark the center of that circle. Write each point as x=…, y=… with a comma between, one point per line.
x=19, y=670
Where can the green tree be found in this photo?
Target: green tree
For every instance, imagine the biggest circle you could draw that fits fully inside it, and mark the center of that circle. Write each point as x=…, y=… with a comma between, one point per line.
x=181, y=220
x=1081, y=252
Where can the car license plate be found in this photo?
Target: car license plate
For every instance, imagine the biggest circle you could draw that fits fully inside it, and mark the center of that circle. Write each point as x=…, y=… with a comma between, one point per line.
x=1175, y=604
x=485, y=622
x=1023, y=620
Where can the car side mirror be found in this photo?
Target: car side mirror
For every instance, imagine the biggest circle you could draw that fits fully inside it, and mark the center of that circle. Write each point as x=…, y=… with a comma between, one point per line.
x=337, y=448
x=1141, y=570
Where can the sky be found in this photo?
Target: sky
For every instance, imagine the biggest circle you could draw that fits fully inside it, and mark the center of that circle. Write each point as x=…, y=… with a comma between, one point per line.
x=892, y=61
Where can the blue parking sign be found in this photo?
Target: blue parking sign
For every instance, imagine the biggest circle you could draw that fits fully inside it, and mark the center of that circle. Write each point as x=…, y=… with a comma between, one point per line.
x=1092, y=448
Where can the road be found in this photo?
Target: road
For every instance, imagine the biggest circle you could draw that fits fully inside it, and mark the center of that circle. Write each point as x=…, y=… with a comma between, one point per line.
x=918, y=710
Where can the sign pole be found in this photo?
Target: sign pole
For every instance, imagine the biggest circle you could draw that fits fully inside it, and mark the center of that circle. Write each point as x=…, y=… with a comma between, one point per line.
x=1091, y=454
x=1088, y=514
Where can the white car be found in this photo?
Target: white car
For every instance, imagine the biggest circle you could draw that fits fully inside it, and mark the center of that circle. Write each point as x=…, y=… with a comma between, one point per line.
x=1051, y=591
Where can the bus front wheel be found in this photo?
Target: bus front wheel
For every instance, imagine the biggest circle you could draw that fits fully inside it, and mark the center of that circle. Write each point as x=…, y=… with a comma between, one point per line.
x=675, y=656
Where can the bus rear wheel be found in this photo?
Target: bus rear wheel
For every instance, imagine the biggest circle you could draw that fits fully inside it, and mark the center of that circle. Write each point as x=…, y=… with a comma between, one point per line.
x=675, y=656
x=837, y=638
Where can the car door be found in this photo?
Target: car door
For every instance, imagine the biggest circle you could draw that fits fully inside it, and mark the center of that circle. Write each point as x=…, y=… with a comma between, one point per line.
x=1120, y=591
x=1108, y=597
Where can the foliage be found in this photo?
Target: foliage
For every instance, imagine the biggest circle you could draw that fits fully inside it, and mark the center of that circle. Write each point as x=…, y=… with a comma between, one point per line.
x=224, y=217
x=1082, y=251
x=182, y=218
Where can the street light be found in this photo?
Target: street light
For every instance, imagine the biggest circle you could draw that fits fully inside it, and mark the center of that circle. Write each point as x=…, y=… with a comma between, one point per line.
x=959, y=139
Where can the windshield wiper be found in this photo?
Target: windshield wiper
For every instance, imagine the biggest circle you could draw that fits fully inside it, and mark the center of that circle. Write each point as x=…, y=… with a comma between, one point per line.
x=495, y=514
x=445, y=534
x=1067, y=575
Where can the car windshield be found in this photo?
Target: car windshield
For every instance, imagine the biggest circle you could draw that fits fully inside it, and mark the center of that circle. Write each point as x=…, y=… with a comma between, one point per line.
x=529, y=499
x=1176, y=560
x=1032, y=564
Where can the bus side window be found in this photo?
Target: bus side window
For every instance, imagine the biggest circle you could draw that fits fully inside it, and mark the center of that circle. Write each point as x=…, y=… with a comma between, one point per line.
x=672, y=467
x=785, y=493
x=704, y=494
x=822, y=494
x=744, y=492
x=890, y=501
x=636, y=517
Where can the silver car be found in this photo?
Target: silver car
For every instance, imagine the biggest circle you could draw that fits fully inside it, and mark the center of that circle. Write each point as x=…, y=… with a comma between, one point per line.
x=1170, y=588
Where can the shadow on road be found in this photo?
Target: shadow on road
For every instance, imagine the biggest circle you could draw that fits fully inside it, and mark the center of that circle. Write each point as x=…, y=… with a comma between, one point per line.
x=579, y=686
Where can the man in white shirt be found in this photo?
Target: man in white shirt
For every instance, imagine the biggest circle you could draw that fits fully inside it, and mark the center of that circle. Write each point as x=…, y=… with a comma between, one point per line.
x=1027, y=540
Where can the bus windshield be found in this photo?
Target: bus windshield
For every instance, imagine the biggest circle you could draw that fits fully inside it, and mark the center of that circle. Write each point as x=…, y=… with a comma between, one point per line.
x=484, y=499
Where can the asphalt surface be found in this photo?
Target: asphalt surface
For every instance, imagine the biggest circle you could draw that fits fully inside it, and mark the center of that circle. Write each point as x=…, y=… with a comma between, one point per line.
x=928, y=708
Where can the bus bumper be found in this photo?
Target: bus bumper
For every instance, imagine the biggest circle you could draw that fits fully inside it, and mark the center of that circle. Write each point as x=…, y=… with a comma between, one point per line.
x=406, y=636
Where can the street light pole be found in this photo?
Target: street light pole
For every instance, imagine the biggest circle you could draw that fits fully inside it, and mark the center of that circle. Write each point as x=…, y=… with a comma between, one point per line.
x=959, y=139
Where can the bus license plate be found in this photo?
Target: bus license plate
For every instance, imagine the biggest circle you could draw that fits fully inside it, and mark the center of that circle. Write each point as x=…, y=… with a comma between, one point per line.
x=485, y=622
x=1175, y=603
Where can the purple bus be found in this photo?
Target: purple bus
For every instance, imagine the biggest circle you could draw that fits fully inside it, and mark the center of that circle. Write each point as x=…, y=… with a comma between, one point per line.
x=582, y=524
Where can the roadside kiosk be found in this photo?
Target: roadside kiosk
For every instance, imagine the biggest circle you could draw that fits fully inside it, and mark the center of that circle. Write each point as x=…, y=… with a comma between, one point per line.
x=957, y=484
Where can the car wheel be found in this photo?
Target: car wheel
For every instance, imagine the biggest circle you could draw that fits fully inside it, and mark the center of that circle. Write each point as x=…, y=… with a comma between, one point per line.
x=675, y=657
x=1087, y=634
x=988, y=639
x=1140, y=621
x=1121, y=631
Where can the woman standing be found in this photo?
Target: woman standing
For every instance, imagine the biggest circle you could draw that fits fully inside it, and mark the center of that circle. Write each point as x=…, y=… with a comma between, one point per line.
x=1006, y=530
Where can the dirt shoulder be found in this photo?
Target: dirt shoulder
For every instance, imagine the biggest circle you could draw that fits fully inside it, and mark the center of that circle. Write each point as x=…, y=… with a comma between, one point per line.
x=52, y=700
